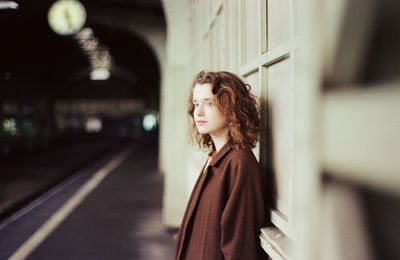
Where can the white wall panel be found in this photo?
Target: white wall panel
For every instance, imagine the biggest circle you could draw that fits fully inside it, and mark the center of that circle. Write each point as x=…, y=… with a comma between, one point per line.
x=278, y=22
x=280, y=105
x=250, y=36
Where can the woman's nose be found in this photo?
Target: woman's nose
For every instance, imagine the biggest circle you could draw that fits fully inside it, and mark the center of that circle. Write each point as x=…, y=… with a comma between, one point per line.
x=200, y=110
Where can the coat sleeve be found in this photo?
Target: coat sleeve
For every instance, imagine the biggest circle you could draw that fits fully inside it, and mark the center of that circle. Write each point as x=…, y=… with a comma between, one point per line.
x=243, y=214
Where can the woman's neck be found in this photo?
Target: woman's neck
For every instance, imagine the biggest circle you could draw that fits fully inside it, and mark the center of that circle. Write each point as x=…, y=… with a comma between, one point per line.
x=219, y=140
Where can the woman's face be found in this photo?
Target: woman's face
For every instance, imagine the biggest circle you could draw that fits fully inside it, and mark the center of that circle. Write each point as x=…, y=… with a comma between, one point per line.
x=208, y=118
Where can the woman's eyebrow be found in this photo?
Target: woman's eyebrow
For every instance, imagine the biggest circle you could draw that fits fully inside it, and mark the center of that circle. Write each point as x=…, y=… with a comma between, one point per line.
x=205, y=99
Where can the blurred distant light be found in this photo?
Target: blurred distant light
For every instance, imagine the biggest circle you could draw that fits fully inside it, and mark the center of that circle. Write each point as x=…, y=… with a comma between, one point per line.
x=149, y=122
x=93, y=125
x=7, y=75
x=10, y=126
x=28, y=127
x=100, y=74
x=8, y=5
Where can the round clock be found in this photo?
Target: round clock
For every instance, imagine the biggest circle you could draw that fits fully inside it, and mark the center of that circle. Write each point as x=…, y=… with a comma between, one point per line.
x=66, y=17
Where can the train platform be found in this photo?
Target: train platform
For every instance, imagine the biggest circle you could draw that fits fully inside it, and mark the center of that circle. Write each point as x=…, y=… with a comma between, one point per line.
x=108, y=210
x=26, y=174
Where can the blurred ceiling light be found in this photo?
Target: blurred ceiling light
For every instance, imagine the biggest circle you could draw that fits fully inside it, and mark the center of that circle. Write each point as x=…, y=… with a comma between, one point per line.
x=100, y=74
x=8, y=5
x=99, y=56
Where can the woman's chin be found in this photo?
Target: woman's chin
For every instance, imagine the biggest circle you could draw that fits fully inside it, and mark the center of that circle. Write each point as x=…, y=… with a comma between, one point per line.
x=202, y=131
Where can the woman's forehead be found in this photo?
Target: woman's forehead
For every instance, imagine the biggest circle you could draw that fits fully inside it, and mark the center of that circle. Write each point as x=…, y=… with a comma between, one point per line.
x=202, y=91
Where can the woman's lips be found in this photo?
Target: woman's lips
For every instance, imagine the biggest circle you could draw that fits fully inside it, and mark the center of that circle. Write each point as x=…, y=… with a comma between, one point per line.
x=201, y=122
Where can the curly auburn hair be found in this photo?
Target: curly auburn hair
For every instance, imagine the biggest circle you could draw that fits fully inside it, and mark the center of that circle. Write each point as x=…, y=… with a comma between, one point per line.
x=235, y=101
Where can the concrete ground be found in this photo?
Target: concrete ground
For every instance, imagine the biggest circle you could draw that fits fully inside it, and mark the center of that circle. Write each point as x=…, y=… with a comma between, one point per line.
x=120, y=219
x=27, y=174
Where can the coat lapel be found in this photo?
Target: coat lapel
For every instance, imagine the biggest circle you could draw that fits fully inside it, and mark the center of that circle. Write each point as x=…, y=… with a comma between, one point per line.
x=197, y=192
x=224, y=150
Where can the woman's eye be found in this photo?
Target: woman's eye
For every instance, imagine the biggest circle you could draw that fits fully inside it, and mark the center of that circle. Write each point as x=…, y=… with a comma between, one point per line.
x=195, y=105
x=209, y=104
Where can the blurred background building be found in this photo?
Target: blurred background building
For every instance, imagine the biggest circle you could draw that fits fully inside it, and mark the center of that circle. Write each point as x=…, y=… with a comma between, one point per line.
x=326, y=72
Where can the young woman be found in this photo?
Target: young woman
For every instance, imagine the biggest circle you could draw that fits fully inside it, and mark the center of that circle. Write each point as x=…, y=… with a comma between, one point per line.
x=226, y=209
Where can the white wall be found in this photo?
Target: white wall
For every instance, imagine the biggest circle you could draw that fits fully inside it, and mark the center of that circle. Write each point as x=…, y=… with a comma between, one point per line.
x=329, y=136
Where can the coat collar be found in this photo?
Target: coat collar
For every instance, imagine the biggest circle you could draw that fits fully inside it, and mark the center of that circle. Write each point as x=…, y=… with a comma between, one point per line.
x=221, y=153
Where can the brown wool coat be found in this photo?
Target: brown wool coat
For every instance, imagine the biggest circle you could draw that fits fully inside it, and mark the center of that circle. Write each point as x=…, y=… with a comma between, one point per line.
x=225, y=211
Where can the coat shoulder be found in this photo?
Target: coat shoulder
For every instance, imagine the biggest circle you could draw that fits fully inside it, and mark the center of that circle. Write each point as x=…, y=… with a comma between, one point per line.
x=244, y=161
x=243, y=157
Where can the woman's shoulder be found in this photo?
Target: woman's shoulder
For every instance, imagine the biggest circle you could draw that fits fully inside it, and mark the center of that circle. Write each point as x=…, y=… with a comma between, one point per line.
x=243, y=166
x=242, y=156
